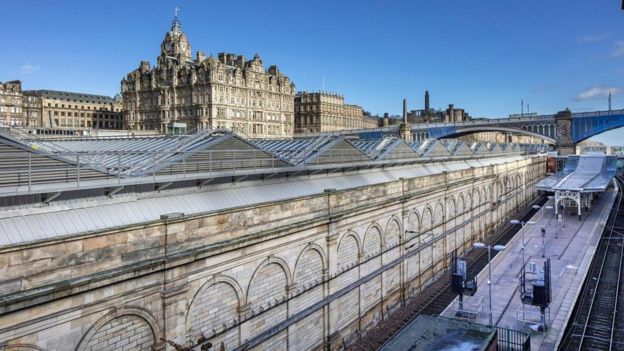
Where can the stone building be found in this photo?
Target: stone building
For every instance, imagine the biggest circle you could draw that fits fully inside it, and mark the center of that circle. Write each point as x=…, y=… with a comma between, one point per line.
x=11, y=103
x=227, y=91
x=371, y=121
x=255, y=265
x=324, y=112
x=429, y=115
x=32, y=110
x=62, y=109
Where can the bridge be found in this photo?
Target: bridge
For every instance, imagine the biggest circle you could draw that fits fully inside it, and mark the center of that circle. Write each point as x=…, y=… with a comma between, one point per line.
x=564, y=129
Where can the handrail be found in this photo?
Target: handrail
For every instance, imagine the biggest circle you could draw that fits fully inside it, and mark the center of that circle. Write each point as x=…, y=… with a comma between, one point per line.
x=47, y=168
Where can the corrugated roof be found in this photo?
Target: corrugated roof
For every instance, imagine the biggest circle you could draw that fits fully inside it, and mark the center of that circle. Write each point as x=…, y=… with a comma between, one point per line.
x=33, y=224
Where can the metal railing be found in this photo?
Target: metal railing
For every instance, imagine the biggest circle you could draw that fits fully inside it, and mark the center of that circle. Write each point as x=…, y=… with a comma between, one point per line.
x=529, y=315
x=45, y=167
x=506, y=339
x=471, y=307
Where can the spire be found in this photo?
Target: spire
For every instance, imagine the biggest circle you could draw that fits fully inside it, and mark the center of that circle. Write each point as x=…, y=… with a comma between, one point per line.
x=175, y=25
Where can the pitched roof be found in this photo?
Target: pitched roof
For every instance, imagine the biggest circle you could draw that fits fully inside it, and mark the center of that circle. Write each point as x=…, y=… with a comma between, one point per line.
x=24, y=166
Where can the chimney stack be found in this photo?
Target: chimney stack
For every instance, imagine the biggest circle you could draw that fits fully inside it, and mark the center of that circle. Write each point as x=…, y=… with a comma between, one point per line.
x=405, y=111
x=426, y=100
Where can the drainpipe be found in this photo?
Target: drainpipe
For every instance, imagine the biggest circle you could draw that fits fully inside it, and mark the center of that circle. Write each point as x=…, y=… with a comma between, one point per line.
x=166, y=218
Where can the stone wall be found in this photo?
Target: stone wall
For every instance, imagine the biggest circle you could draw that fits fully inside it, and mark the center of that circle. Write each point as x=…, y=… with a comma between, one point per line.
x=303, y=274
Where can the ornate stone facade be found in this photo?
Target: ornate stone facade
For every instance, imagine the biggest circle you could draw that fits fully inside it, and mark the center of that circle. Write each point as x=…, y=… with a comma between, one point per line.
x=324, y=112
x=11, y=103
x=207, y=92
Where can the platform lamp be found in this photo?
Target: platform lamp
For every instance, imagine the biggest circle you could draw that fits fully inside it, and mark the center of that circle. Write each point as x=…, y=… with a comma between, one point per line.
x=489, y=282
x=522, y=225
x=544, y=228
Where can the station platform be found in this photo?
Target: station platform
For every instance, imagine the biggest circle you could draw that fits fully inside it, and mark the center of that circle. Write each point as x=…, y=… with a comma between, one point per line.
x=570, y=245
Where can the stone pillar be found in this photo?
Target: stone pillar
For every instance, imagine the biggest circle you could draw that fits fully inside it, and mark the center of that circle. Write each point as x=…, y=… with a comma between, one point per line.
x=565, y=144
x=404, y=130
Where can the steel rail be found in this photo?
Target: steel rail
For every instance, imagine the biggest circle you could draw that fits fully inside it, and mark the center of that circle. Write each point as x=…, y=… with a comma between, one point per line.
x=591, y=321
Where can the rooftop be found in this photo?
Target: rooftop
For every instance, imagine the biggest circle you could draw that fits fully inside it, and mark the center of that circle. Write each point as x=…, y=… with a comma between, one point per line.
x=59, y=187
x=66, y=95
x=429, y=333
x=586, y=173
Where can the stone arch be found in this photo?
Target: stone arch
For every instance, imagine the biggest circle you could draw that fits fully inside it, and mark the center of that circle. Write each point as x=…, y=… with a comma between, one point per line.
x=438, y=218
x=392, y=234
x=451, y=208
x=305, y=270
x=23, y=347
x=272, y=262
x=214, y=304
x=499, y=189
x=413, y=224
x=372, y=240
x=426, y=221
x=133, y=318
x=438, y=215
x=349, y=249
x=476, y=196
x=461, y=203
x=469, y=203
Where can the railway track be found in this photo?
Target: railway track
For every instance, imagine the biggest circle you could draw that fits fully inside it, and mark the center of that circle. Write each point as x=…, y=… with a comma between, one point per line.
x=597, y=323
x=436, y=297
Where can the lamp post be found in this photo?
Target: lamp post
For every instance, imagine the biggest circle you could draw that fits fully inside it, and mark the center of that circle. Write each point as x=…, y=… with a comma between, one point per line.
x=544, y=229
x=489, y=282
x=522, y=225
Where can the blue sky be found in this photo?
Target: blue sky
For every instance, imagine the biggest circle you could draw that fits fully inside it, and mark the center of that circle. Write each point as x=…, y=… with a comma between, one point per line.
x=484, y=56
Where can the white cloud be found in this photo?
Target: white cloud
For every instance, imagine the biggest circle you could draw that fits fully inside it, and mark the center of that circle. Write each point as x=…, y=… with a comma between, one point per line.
x=593, y=38
x=618, y=50
x=597, y=91
x=28, y=68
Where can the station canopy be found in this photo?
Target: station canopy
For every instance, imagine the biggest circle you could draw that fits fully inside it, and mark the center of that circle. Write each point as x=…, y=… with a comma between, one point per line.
x=585, y=173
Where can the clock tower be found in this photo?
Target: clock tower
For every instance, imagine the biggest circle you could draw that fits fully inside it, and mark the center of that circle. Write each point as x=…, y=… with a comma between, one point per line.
x=176, y=45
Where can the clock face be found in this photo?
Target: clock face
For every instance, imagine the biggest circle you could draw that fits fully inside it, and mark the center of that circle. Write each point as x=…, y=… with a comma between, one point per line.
x=183, y=46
